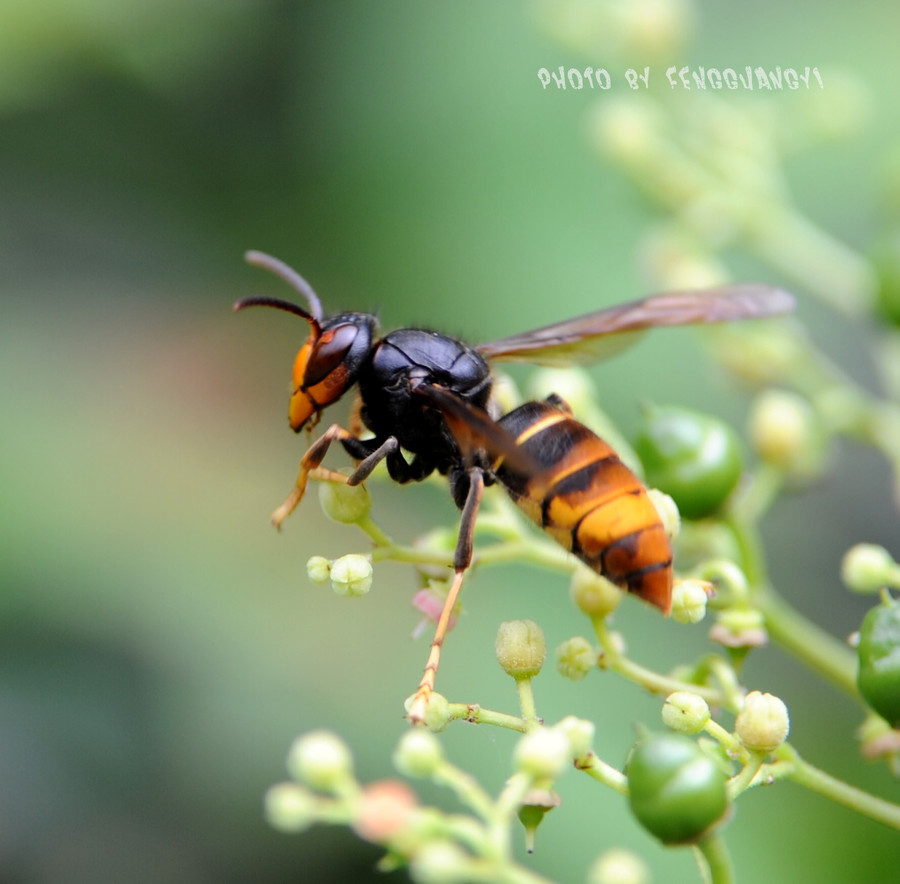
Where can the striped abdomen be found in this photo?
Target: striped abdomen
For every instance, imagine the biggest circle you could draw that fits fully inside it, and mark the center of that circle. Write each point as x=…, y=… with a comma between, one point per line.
x=584, y=497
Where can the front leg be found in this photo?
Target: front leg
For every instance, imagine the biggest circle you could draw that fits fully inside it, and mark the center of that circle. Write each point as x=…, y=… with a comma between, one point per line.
x=310, y=465
x=462, y=558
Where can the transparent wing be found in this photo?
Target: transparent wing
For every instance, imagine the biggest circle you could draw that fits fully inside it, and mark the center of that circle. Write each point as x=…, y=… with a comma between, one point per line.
x=602, y=334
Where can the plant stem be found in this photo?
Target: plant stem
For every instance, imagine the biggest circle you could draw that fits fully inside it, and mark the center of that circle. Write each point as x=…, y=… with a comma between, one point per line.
x=820, y=650
x=811, y=777
x=718, y=860
x=647, y=678
x=744, y=778
x=603, y=773
x=475, y=714
x=467, y=789
x=526, y=701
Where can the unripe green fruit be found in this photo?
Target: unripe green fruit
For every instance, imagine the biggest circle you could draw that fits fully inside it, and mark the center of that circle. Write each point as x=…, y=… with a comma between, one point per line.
x=694, y=457
x=676, y=792
x=879, y=661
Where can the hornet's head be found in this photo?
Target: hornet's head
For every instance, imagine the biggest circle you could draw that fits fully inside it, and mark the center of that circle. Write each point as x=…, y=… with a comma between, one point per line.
x=329, y=361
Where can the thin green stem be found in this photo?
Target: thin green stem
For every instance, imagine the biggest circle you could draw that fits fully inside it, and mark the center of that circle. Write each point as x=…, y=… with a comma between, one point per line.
x=744, y=778
x=817, y=648
x=475, y=714
x=379, y=538
x=722, y=736
x=505, y=810
x=717, y=858
x=652, y=681
x=604, y=773
x=811, y=777
x=526, y=701
x=466, y=788
x=821, y=651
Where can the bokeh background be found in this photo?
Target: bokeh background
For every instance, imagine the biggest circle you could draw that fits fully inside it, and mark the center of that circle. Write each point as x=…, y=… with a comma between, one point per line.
x=160, y=645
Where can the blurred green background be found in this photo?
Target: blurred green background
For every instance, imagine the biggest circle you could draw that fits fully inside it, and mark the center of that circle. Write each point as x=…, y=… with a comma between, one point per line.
x=160, y=645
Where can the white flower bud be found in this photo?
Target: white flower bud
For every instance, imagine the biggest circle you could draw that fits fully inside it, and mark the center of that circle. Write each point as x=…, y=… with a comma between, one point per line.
x=685, y=712
x=763, y=723
x=520, y=648
x=290, y=807
x=689, y=598
x=351, y=575
x=543, y=753
x=321, y=760
x=418, y=754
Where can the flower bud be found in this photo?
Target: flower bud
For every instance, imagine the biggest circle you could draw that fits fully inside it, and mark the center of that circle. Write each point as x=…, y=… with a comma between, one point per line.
x=763, y=723
x=685, y=712
x=729, y=580
x=877, y=739
x=343, y=503
x=542, y=753
x=574, y=386
x=783, y=427
x=593, y=594
x=440, y=862
x=580, y=734
x=318, y=569
x=520, y=648
x=575, y=658
x=290, y=808
x=619, y=866
x=437, y=711
x=386, y=809
x=668, y=511
x=740, y=628
x=418, y=754
x=689, y=599
x=351, y=575
x=321, y=760
x=866, y=568
x=535, y=806
x=430, y=602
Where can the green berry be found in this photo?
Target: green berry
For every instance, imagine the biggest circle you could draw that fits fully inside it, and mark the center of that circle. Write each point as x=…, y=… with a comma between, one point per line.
x=693, y=457
x=342, y=503
x=676, y=791
x=879, y=661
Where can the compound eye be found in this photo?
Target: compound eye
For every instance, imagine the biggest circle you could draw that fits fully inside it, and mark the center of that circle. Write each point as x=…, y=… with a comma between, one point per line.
x=329, y=352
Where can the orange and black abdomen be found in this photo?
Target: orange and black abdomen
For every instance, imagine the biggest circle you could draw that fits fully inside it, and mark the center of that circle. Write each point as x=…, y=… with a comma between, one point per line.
x=583, y=496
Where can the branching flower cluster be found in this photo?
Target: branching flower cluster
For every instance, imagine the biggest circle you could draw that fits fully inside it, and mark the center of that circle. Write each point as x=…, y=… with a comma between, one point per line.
x=714, y=166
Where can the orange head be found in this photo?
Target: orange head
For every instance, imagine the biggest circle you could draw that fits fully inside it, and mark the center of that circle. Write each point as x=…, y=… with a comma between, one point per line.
x=330, y=360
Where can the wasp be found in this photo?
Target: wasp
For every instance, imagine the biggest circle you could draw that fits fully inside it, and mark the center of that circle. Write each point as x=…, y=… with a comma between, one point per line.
x=425, y=399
